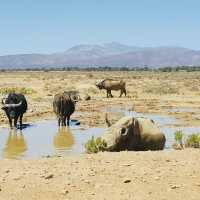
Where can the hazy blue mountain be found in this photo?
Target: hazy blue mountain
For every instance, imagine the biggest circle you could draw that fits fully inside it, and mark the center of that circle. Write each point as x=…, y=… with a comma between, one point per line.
x=109, y=54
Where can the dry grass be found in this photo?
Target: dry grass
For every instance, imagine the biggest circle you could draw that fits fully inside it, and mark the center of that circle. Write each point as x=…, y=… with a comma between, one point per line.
x=23, y=90
x=147, y=91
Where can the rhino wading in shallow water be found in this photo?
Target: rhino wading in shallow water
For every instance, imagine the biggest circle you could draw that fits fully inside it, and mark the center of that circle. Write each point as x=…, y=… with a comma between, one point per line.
x=137, y=134
x=110, y=84
x=14, y=105
x=64, y=106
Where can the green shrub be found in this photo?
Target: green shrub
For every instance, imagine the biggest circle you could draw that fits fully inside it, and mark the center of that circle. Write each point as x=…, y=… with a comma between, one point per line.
x=178, y=135
x=193, y=141
x=95, y=145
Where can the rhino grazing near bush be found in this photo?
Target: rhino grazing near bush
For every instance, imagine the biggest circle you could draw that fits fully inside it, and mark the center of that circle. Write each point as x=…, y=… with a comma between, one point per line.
x=110, y=84
x=136, y=134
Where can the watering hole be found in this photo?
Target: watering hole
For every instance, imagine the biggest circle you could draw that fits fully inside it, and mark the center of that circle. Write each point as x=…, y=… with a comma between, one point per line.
x=45, y=138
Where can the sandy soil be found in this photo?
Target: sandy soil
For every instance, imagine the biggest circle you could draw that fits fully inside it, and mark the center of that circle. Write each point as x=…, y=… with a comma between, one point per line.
x=124, y=175
x=149, y=175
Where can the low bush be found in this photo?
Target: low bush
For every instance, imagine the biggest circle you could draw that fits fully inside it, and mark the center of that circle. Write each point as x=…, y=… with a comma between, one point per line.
x=193, y=141
x=95, y=145
x=178, y=135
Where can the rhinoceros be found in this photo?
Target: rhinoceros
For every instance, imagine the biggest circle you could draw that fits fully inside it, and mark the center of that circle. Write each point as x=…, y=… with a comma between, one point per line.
x=14, y=105
x=64, y=106
x=137, y=134
x=110, y=84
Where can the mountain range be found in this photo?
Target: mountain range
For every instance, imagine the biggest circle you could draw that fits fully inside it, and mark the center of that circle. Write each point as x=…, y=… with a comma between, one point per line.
x=110, y=54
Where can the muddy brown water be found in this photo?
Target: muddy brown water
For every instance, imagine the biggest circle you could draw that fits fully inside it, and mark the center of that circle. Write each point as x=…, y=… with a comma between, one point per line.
x=45, y=138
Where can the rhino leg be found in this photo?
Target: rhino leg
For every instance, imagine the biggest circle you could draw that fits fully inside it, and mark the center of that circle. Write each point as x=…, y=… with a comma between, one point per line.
x=10, y=122
x=15, y=121
x=68, y=119
x=121, y=92
x=58, y=121
x=110, y=94
x=20, y=121
x=9, y=119
x=124, y=91
x=107, y=94
x=64, y=120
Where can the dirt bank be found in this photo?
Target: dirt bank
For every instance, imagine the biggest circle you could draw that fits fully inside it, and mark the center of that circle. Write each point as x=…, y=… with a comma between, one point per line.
x=125, y=175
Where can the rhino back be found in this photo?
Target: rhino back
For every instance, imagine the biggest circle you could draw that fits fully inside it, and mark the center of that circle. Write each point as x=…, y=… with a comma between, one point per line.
x=114, y=84
x=63, y=105
x=151, y=136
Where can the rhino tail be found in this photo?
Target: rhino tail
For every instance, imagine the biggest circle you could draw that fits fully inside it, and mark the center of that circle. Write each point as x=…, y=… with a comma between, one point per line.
x=61, y=107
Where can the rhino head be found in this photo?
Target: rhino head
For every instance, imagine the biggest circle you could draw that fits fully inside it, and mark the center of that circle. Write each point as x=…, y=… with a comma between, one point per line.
x=99, y=84
x=119, y=136
x=10, y=106
x=74, y=95
x=131, y=133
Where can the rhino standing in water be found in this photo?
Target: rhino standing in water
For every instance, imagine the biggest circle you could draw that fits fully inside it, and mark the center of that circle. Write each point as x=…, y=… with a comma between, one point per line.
x=137, y=134
x=64, y=106
x=110, y=84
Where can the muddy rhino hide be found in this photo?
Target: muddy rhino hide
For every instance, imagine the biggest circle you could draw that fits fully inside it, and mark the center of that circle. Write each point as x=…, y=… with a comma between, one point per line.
x=135, y=134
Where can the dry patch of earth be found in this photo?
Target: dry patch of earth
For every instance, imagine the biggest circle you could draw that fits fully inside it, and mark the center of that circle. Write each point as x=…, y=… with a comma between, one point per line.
x=125, y=175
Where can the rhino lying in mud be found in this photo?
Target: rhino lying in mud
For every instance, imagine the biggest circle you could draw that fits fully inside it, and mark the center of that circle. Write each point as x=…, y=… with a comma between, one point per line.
x=110, y=84
x=137, y=134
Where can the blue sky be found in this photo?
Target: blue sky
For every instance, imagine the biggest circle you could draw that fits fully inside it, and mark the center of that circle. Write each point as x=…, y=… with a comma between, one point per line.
x=48, y=26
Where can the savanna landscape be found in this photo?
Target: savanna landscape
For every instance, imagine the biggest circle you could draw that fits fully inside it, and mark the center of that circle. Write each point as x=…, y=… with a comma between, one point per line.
x=147, y=92
x=167, y=174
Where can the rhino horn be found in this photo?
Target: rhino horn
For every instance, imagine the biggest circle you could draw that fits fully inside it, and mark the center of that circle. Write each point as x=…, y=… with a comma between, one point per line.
x=3, y=101
x=11, y=105
x=107, y=120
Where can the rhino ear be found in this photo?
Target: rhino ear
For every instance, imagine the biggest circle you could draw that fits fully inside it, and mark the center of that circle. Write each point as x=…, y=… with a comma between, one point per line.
x=124, y=131
x=136, y=127
x=107, y=120
x=152, y=121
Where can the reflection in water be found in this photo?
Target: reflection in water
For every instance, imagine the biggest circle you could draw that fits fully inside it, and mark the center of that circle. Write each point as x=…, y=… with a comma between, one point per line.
x=15, y=145
x=44, y=138
x=63, y=139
